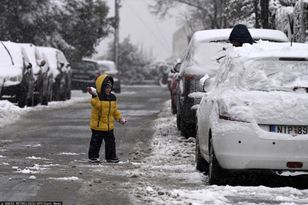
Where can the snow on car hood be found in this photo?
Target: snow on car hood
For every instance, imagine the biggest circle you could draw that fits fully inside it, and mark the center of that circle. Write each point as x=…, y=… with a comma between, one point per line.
x=276, y=107
x=8, y=71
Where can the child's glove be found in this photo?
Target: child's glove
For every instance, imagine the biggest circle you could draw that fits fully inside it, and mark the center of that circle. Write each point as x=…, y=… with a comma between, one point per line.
x=92, y=91
x=123, y=121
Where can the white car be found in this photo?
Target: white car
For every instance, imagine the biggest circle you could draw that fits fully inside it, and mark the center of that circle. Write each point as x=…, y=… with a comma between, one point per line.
x=16, y=74
x=43, y=77
x=61, y=72
x=255, y=116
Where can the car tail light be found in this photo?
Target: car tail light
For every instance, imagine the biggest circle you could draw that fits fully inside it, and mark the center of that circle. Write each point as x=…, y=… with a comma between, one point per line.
x=294, y=164
x=189, y=77
x=226, y=117
x=192, y=77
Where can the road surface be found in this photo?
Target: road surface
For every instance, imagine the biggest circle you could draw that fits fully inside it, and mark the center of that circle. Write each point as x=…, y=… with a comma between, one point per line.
x=43, y=156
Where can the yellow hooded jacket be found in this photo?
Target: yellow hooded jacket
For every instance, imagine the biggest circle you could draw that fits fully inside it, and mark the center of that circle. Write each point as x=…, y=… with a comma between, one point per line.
x=104, y=107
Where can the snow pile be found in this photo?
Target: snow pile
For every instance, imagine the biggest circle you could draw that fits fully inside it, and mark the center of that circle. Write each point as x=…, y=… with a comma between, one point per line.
x=73, y=178
x=10, y=113
x=68, y=154
x=35, y=169
x=36, y=158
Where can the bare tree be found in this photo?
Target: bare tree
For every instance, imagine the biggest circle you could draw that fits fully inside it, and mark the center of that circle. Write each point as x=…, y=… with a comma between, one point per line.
x=214, y=13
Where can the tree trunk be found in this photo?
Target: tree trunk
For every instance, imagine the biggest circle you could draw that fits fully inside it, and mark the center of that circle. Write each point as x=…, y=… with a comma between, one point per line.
x=264, y=13
x=256, y=10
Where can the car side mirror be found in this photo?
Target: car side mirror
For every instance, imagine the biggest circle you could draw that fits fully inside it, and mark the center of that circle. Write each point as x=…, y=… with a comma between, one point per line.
x=43, y=62
x=29, y=66
x=176, y=68
x=204, y=82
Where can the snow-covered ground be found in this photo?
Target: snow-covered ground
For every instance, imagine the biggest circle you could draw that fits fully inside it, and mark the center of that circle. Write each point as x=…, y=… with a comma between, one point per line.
x=10, y=113
x=168, y=175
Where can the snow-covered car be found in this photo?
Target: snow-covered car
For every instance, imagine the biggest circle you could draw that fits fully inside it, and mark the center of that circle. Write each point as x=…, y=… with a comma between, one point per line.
x=172, y=86
x=254, y=117
x=84, y=74
x=109, y=67
x=61, y=72
x=43, y=77
x=202, y=56
x=16, y=74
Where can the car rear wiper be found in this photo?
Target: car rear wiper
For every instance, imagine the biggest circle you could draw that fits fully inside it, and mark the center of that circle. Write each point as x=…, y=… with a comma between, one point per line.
x=300, y=87
x=292, y=59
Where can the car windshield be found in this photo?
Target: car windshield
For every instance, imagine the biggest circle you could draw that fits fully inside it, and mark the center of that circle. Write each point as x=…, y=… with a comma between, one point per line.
x=84, y=66
x=107, y=67
x=276, y=75
x=5, y=58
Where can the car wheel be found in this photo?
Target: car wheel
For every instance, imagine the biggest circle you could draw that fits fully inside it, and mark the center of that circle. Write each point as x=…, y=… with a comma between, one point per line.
x=188, y=129
x=215, y=171
x=178, y=113
x=50, y=91
x=22, y=99
x=23, y=95
x=68, y=95
x=201, y=164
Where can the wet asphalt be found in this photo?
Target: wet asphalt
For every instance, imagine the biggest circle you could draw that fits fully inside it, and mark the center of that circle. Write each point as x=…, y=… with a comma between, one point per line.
x=43, y=156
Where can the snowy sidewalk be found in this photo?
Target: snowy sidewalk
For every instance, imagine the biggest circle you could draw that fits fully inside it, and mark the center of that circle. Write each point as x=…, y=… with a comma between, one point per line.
x=168, y=175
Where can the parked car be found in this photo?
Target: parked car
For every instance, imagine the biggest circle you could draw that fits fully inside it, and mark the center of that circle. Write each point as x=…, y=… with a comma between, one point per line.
x=84, y=74
x=109, y=67
x=61, y=71
x=42, y=75
x=172, y=85
x=17, y=74
x=254, y=117
x=203, y=55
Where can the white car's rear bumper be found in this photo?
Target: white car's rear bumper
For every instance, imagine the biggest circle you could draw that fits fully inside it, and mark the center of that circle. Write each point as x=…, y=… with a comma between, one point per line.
x=241, y=145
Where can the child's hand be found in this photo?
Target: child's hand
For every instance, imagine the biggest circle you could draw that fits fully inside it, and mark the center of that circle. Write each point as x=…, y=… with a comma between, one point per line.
x=92, y=91
x=123, y=121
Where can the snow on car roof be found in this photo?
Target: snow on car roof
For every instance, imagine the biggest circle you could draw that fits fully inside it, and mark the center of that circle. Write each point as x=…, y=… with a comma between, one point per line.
x=51, y=57
x=15, y=51
x=223, y=34
x=32, y=55
x=264, y=49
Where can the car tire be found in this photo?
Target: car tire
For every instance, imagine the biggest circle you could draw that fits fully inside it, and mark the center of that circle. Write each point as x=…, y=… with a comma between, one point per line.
x=68, y=95
x=188, y=129
x=178, y=113
x=22, y=99
x=215, y=171
x=201, y=164
x=50, y=90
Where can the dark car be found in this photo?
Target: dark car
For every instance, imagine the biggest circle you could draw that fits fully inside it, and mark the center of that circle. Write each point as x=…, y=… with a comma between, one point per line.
x=109, y=67
x=83, y=74
x=172, y=86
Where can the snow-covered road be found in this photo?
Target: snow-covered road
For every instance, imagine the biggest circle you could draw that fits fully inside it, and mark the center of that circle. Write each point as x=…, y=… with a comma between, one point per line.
x=163, y=173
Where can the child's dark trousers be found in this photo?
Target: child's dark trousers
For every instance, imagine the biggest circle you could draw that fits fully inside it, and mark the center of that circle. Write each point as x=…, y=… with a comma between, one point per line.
x=96, y=142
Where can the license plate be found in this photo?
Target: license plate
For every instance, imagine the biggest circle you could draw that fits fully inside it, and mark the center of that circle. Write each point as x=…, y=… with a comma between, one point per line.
x=289, y=129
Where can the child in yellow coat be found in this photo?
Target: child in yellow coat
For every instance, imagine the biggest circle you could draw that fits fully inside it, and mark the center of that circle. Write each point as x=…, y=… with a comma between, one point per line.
x=104, y=113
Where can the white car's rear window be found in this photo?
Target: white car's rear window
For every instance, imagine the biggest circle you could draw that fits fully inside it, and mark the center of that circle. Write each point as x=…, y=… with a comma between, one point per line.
x=276, y=75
